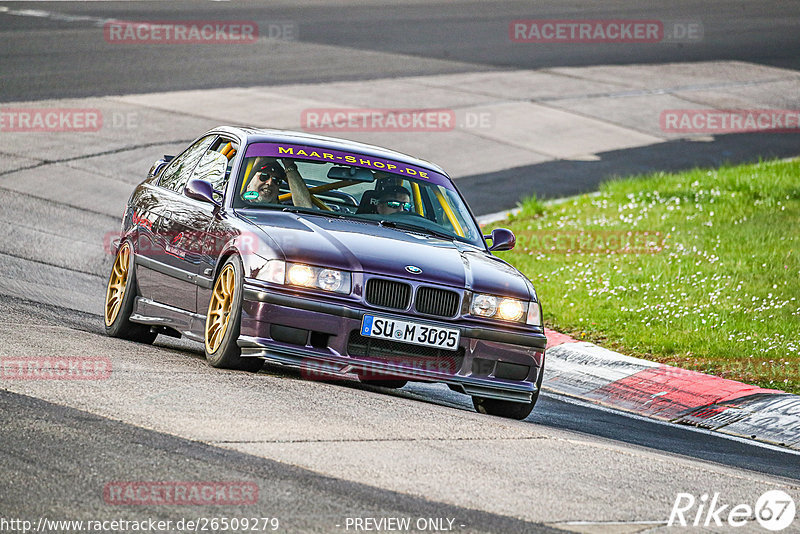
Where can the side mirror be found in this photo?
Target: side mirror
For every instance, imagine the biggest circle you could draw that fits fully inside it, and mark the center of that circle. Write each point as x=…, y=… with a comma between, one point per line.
x=201, y=190
x=159, y=165
x=502, y=239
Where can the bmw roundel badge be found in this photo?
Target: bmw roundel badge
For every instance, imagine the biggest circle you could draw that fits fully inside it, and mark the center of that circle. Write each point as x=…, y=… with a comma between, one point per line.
x=413, y=269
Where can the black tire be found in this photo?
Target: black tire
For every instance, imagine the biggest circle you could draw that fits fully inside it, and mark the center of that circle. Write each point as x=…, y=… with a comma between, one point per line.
x=508, y=409
x=227, y=354
x=118, y=324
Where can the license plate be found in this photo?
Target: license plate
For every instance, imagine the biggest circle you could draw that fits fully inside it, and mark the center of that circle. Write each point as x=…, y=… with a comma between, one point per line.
x=410, y=332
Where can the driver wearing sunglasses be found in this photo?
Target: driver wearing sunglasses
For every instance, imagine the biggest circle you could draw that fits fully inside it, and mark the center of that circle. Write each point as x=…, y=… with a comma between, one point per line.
x=394, y=199
x=267, y=183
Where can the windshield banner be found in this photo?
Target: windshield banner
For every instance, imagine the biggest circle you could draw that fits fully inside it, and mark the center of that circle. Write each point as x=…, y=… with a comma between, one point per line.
x=283, y=150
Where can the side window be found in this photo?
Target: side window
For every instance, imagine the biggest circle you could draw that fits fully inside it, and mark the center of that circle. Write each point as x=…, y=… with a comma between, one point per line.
x=179, y=170
x=215, y=165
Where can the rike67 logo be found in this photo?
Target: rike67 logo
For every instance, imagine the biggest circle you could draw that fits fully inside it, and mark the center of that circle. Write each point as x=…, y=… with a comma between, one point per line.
x=774, y=510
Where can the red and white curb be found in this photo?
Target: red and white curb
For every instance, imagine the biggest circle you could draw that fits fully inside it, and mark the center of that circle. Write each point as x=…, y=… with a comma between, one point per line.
x=592, y=373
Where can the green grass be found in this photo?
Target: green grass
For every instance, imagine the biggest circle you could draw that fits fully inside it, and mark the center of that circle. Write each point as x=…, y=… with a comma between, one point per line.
x=720, y=296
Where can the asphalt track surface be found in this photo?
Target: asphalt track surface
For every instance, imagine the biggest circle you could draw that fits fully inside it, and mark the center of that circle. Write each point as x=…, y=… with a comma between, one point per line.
x=58, y=56
x=59, y=446
x=63, y=444
x=82, y=450
x=56, y=50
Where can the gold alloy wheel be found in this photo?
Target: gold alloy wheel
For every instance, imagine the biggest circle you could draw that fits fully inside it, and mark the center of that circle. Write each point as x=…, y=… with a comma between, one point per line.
x=116, y=283
x=219, y=309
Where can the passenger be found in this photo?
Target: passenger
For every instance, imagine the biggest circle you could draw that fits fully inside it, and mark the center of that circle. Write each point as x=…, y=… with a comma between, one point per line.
x=394, y=199
x=267, y=183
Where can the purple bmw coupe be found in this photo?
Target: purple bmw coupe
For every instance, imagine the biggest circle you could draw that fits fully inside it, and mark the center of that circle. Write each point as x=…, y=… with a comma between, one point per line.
x=336, y=257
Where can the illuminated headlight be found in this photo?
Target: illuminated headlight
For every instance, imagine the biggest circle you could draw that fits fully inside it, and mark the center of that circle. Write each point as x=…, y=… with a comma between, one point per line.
x=298, y=274
x=507, y=309
x=510, y=309
x=301, y=275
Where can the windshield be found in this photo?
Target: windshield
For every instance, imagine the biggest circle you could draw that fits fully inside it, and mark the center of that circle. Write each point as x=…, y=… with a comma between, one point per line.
x=353, y=186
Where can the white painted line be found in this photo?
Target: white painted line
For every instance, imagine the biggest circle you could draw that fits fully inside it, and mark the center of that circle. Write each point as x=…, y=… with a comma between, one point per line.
x=38, y=13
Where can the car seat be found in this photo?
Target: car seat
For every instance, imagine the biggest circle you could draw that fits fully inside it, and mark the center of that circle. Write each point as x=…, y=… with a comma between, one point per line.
x=368, y=202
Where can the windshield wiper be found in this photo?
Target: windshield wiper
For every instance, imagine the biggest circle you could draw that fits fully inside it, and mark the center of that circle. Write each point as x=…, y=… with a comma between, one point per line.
x=415, y=228
x=313, y=211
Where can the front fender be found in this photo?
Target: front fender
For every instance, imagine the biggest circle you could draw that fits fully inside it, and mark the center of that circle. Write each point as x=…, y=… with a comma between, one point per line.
x=253, y=251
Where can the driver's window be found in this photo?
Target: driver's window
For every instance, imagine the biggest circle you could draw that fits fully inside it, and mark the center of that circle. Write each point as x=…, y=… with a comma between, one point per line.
x=179, y=170
x=215, y=165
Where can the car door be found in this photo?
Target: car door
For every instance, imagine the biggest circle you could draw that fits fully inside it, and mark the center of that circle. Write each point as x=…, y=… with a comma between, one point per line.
x=191, y=247
x=215, y=167
x=171, y=259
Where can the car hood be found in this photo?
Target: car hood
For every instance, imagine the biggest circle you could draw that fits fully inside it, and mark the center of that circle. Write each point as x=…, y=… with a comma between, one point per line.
x=353, y=245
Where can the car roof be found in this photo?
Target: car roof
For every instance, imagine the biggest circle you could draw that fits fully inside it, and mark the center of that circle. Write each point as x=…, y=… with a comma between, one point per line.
x=268, y=135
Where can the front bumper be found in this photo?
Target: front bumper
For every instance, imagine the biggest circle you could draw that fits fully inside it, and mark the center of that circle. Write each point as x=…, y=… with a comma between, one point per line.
x=322, y=338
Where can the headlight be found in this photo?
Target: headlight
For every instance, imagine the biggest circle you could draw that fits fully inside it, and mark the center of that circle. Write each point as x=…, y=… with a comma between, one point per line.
x=510, y=309
x=301, y=275
x=298, y=274
x=330, y=280
x=507, y=309
x=483, y=305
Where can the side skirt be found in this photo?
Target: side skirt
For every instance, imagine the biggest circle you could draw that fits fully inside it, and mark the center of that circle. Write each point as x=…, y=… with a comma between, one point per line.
x=191, y=325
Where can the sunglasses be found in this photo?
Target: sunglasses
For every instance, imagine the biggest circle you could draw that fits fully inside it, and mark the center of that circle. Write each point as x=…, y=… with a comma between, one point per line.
x=268, y=175
x=394, y=204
